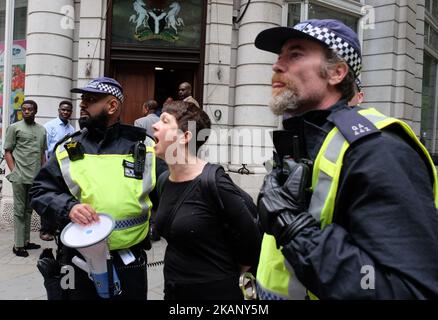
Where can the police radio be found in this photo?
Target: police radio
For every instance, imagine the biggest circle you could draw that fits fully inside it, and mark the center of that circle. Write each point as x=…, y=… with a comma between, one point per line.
x=75, y=150
x=139, y=158
x=290, y=150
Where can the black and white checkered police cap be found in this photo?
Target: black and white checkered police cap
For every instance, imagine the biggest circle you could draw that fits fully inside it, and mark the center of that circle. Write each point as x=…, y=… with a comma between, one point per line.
x=102, y=85
x=332, y=33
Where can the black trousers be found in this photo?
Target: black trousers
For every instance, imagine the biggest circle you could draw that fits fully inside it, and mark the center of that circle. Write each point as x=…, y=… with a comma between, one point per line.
x=225, y=289
x=48, y=225
x=133, y=279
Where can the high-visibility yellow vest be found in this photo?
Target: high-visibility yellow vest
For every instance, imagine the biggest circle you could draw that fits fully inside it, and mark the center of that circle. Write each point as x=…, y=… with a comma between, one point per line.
x=99, y=180
x=275, y=277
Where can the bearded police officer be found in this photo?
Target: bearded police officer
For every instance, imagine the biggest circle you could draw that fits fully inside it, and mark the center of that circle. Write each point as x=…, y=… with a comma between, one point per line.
x=106, y=167
x=350, y=210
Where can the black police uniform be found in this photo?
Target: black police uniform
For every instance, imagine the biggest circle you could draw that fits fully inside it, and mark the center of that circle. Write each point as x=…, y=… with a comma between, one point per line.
x=384, y=216
x=52, y=198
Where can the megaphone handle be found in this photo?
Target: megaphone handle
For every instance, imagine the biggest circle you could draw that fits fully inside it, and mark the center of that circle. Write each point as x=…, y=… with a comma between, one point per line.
x=81, y=264
x=109, y=265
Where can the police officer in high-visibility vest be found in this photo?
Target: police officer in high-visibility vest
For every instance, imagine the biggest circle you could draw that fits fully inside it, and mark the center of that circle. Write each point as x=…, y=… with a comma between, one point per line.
x=106, y=167
x=350, y=209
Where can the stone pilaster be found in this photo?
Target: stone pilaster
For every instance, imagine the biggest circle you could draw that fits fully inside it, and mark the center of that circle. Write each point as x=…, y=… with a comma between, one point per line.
x=389, y=53
x=219, y=77
x=49, y=51
x=250, y=140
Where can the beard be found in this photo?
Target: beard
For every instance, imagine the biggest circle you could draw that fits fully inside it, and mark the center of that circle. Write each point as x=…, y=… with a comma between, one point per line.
x=285, y=100
x=288, y=97
x=97, y=122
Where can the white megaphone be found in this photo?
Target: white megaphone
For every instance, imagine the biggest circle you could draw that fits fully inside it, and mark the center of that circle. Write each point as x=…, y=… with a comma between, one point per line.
x=91, y=242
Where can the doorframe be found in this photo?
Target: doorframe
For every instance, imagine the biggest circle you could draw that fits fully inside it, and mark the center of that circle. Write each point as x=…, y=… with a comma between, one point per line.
x=154, y=55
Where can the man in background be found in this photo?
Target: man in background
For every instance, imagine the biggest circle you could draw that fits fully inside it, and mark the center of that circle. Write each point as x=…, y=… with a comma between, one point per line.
x=59, y=127
x=25, y=146
x=185, y=93
x=56, y=129
x=149, y=110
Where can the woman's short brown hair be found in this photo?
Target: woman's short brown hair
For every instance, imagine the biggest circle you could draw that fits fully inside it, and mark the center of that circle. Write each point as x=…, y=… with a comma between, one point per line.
x=185, y=112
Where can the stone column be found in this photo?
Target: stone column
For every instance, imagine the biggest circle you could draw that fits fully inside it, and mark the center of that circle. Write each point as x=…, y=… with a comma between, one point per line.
x=251, y=143
x=49, y=58
x=389, y=63
x=49, y=50
x=91, y=41
x=218, y=78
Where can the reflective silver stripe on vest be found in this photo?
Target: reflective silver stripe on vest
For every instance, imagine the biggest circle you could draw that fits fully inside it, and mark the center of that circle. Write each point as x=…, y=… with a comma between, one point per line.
x=332, y=153
x=296, y=290
x=265, y=294
x=65, y=170
x=147, y=178
x=324, y=181
x=130, y=222
x=373, y=118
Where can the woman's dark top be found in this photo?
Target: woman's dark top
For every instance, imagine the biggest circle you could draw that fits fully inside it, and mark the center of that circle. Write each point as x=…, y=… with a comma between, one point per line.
x=199, y=250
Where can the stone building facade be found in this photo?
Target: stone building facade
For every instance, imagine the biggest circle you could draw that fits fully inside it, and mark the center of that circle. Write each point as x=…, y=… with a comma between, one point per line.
x=68, y=42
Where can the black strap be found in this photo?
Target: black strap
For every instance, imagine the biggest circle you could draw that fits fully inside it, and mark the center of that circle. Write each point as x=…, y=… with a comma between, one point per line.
x=208, y=183
x=180, y=201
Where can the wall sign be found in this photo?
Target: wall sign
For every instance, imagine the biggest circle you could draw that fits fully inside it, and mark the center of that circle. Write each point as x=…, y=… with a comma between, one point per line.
x=157, y=23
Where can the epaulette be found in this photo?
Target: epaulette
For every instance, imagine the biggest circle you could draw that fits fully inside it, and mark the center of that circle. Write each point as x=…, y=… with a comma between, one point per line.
x=352, y=124
x=68, y=136
x=132, y=132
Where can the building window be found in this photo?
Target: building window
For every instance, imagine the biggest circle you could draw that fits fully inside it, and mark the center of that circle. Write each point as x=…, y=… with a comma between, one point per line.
x=293, y=14
x=18, y=58
x=320, y=12
x=429, y=101
x=431, y=7
x=346, y=11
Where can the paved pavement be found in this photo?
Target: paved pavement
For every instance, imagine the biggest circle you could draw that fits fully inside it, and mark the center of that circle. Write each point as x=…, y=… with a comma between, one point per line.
x=21, y=280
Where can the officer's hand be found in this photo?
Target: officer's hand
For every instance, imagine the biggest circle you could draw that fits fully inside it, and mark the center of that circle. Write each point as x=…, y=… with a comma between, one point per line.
x=282, y=206
x=275, y=198
x=83, y=214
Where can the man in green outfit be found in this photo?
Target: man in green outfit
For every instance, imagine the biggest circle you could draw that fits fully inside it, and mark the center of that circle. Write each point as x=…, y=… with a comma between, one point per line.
x=25, y=146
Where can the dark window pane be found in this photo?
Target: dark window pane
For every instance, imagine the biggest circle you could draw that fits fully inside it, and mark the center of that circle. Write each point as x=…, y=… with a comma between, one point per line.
x=2, y=25
x=433, y=38
x=20, y=19
x=18, y=58
x=435, y=9
x=428, y=100
x=320, y=12
x=426, y=33
x=293, y=14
